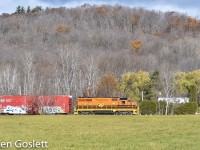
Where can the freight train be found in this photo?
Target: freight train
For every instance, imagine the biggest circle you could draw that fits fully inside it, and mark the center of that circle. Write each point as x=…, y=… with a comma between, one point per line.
x=63, y=104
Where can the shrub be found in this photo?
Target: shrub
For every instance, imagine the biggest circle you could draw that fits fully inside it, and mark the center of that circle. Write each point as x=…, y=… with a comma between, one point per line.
x=148, y=107
x=187, y=108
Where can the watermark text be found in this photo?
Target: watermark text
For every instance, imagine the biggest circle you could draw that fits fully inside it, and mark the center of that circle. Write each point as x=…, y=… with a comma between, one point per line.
x=24, y=144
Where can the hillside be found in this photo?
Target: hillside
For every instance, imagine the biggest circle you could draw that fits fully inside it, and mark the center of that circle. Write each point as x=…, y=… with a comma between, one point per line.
x=67, y=51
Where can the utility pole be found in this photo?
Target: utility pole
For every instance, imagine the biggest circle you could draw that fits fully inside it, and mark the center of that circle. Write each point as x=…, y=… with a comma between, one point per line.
x=142, y=95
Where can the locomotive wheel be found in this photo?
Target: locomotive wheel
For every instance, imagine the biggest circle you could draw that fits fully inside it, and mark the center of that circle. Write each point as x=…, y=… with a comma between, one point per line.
x=123, y=113
x=92, y=113
x=81, y=113
x=130, y=113
x=119, y=113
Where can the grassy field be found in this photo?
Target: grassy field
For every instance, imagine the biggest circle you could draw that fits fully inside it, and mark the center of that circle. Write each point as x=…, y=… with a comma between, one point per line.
x=104, y=132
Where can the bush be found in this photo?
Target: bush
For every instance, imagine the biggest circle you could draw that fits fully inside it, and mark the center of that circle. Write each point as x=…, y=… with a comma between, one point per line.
x=187, y=108
x=148, y=107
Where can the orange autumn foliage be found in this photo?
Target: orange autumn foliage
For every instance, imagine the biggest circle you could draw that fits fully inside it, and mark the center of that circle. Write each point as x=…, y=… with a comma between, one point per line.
x=136, y=45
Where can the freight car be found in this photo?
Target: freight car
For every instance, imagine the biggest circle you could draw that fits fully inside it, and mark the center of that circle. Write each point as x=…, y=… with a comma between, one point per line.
x=116, y=106
x=56, y=104
x=36, y=104
x=14, y=104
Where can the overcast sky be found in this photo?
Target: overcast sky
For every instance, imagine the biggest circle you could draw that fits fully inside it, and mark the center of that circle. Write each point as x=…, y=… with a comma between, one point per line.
x=189, y=7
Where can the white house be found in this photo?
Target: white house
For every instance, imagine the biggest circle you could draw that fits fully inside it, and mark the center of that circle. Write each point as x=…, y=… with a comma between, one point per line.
x=177, y=100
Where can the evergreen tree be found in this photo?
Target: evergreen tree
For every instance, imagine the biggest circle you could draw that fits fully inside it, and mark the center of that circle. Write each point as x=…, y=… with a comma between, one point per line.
x=28, y=10
x=155, y=78
x=37, y=9
x=148, y=92
x=155, y=83
x=22, y=10
x=193, y=93
x=18, y=10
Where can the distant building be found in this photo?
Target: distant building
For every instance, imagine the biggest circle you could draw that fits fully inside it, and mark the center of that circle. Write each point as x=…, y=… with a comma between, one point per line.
x=177, y=100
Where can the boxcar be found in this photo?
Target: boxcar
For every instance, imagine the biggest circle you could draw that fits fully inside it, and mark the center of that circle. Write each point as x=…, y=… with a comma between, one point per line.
x=36, y=104
x=116, y=106
x=56, y=104
x=14, y=104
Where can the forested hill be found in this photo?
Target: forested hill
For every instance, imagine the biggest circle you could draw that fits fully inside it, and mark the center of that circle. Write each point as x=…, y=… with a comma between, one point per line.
x=77, y=46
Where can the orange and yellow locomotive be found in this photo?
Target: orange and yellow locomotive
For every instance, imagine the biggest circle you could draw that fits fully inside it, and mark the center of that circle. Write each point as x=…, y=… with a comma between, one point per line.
x=116, y=106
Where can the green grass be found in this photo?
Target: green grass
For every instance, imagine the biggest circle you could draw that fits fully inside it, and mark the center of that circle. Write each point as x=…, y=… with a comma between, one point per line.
x=105, y=132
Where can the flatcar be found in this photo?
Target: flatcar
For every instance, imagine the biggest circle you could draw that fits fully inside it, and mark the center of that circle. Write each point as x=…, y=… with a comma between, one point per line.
x=115, y=106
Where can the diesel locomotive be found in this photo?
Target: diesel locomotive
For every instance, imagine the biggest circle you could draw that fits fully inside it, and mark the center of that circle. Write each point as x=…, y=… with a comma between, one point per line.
x=115, y=106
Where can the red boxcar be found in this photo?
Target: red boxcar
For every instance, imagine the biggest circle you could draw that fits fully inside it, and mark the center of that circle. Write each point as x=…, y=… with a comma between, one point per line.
x=56, y=104
x=36, y=104
x=13, y=104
